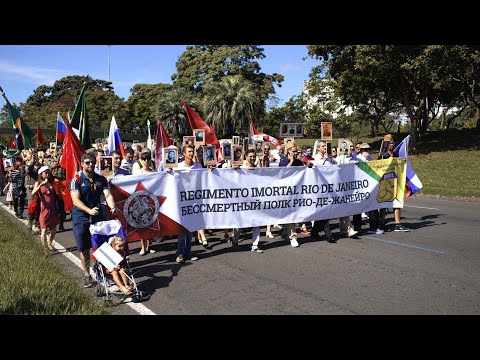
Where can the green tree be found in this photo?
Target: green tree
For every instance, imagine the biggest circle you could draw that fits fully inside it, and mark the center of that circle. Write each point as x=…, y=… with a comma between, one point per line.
x=201, y=65
x=410, y=75
x=172, y=114
x=42, y=107
x=229, y=104
x=143, y=102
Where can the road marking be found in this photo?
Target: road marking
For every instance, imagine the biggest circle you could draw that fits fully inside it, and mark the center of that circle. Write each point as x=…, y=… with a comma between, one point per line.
x=138, y=307
x=402, y=244
x=420, y=207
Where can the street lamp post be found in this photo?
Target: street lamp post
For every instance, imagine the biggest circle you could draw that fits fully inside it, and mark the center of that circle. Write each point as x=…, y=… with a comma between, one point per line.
x=108, y=63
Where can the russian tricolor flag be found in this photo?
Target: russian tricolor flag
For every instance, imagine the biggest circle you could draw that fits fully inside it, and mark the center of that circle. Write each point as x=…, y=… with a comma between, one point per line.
x=413, y=182
x=114, y=141
x=61, y=128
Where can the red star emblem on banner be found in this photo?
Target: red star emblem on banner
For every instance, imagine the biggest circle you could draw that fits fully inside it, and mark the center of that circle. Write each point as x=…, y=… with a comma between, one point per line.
x=162, y=224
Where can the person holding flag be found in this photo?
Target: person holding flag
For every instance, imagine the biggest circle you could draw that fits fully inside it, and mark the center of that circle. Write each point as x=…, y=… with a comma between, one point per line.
x=396, y=211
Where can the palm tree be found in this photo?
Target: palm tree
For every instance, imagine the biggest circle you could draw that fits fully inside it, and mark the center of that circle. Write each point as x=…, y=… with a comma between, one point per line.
x=229, y=104
x=172, y=114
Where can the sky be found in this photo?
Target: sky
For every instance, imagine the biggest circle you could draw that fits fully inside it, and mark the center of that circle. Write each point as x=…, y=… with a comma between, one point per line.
x=23, y=68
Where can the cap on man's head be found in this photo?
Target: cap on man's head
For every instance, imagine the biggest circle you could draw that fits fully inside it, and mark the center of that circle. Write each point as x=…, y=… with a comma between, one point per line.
x=365, y=146
x=289, y=145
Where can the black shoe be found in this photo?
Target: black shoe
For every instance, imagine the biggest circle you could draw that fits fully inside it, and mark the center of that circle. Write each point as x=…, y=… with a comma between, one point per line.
x=400, y=228
x=331, y=240
x=315, y=236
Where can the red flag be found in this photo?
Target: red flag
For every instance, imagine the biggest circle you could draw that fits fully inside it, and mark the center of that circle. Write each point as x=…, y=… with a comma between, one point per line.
x=71, y=155
x=161, y=141
x=266, y=137
x=40, y=136
x=13, y=145
x=196, y=122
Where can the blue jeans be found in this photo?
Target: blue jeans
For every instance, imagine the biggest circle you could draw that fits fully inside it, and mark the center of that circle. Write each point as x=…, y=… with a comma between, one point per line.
x=184, y=246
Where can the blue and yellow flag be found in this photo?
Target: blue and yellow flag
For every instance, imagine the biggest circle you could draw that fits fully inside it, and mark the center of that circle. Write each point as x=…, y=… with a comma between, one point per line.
x=21, y=131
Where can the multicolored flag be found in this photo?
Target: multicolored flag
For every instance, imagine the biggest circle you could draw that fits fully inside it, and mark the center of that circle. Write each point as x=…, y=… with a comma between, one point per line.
x=114, y=140
x=80, y=121
x=61, y=128
x=413, y=183
x=161, y=141
x=266, y=137
x=21, y=131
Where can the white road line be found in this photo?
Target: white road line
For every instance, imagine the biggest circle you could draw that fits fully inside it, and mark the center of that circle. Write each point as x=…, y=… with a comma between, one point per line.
x=138, y=307
x=420, y=207
x=402, y=244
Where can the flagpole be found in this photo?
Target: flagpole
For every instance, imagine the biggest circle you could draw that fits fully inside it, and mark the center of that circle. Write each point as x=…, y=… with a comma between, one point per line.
x=56, y=139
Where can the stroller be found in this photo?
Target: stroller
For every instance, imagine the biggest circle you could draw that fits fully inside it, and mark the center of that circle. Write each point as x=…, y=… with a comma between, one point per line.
x=106, y=287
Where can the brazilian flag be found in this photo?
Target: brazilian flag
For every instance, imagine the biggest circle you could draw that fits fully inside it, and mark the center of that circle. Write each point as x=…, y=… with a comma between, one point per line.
x=21, y=131
x=80, y=121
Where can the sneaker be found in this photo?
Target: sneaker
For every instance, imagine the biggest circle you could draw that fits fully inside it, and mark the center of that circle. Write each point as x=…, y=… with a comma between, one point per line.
x=351, y=232
x=193, y=258
x=364, y=216
x=151, y=251
x=180, y=259
x=277, y=227
x=376, y=231
x=256, y=249
x=294, y=242
x=400, y=227
x=142, y=252
x=304, y=231
x=269, y=235
x=87, y=281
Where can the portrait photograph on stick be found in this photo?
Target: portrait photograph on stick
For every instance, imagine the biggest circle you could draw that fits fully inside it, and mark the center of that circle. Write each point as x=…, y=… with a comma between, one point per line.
x=106, y=165
x=236, y=140
x=237, y=155
x=326, y=131
x=258, y=147
x=226, y=149
x=199, y=136
x=342, y=146
x=188, y=140
x=170, y=156
x=209, y=155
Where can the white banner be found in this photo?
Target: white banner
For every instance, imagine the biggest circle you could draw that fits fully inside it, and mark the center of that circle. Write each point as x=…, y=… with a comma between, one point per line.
x=167, y=204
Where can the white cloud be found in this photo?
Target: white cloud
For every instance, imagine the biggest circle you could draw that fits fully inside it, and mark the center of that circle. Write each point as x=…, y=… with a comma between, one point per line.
x=37, y=75
x=290, y=68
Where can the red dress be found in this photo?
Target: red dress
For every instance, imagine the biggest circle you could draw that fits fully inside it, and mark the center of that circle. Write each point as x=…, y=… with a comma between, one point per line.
x=49, y=218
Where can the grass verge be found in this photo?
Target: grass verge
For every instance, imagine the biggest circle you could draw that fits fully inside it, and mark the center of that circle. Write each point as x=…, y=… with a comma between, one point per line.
x=32, y=284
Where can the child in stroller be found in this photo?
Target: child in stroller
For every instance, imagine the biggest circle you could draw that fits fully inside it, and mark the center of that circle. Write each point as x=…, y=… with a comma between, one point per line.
x=121, y=276
x=119, y=272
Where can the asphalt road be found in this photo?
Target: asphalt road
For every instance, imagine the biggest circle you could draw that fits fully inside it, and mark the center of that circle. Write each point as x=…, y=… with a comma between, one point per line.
x=433, y=269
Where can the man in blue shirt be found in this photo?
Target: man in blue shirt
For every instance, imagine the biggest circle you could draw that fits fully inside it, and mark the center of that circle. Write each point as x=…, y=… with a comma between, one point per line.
x=86, y=189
